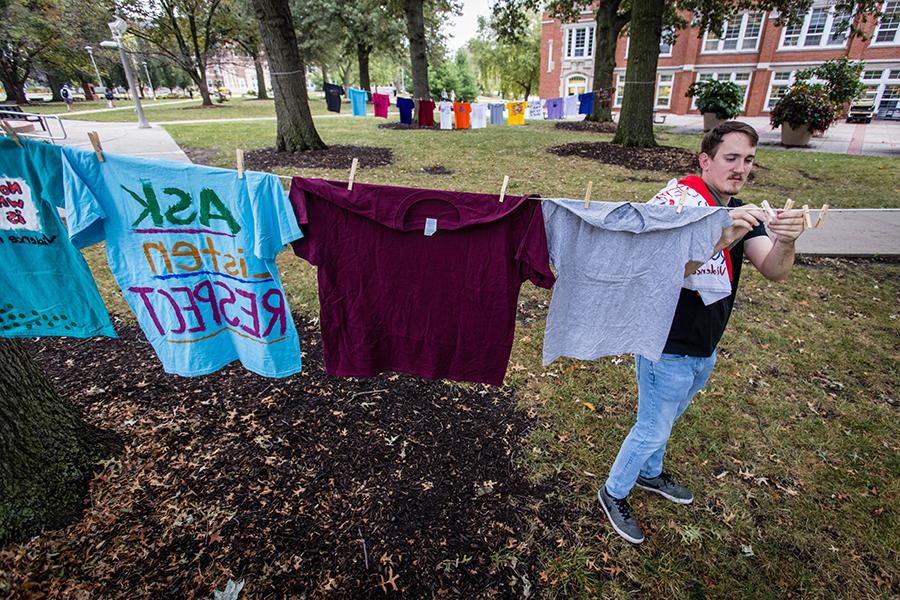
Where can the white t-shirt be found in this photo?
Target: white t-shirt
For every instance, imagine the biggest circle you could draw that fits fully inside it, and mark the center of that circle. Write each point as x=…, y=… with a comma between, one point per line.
x=479, y=115
x=535, y=110
x=570, y=104
x=446, y=110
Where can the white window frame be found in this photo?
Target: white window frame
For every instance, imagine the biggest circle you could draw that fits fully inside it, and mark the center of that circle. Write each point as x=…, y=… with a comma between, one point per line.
x=569, y=33
x=896, y=40
x=731, y=77
x=742, y=30
x=620, y=84
x=659, y=82
x=587, y=82
x=826, y=32
x=772, y=83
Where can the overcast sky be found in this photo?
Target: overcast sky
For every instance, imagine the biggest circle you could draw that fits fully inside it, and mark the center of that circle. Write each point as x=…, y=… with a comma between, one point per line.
x=462, y=28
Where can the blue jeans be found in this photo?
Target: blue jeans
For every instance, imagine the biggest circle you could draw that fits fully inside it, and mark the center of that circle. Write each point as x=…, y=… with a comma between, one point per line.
x=665, y=388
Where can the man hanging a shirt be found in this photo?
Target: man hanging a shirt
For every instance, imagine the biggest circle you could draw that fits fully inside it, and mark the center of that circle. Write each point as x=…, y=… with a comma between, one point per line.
x=666, y=386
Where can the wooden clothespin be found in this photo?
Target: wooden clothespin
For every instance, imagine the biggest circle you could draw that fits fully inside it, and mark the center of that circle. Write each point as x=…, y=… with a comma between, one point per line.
x=680, y=206
x=11, y=133
x=768, y=208
x=820, y=222
x=95, y=142
x=503, y=187
x=807, y=219
x=353, y=166
x=788, y=205
x=239, y=157
x=587, y=194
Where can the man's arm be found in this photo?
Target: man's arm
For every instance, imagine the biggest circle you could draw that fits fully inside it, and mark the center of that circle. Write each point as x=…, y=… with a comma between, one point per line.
x=744, y=219
x=775, y=259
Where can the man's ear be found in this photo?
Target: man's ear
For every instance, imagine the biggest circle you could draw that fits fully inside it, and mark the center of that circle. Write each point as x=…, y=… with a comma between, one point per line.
x=704, y=159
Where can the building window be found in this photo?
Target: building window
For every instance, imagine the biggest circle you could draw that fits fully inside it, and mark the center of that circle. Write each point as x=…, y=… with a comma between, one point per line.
x=576, y=84
x=741, y=79
x=739, y=35
x=580, y=42
x=778, y=86
x=889, y=25
x=664, y=90
x=822, y=27
x=620, y=90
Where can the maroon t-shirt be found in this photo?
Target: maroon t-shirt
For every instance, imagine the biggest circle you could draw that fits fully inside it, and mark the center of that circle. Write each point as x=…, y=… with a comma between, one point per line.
x=392, y=298
x=426, y=113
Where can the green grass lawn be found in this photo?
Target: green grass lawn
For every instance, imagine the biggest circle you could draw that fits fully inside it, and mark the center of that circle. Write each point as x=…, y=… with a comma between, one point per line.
x=793, y=448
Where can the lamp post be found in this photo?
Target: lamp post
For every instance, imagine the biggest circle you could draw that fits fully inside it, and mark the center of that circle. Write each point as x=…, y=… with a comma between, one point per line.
x=149, y=81
x=90, y=52
x=118, y=28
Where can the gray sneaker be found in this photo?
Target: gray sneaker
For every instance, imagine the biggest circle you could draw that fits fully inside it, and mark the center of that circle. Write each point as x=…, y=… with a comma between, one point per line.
x=666, y=487
x=620, y=516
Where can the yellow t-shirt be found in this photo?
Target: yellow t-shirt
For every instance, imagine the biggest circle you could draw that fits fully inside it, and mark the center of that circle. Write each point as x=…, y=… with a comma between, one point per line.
x=516, y=113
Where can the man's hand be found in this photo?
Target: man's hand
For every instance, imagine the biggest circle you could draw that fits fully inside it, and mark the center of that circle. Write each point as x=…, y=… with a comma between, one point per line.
x=745, y=218
x=787, y=226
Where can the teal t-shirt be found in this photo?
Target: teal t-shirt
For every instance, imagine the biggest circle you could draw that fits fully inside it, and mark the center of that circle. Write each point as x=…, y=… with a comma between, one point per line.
x=46, y=288
x=193, y=249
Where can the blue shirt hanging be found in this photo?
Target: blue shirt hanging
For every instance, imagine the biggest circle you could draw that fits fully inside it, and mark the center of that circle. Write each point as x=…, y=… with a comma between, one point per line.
x=193, y=249
x=46, y=288
x=358, y=101
x=405, y=106
x=586, y=103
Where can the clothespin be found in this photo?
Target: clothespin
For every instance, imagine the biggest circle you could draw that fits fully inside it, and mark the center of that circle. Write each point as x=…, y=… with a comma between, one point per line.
x=95, y=142
x=239, y=156
x=806, y=217
x=503, y=187
x=788, y=205
x=768, y=208
x=353, y=166
x=10, y=132
x=680, y=206
x=587, y=194
x=820, y=222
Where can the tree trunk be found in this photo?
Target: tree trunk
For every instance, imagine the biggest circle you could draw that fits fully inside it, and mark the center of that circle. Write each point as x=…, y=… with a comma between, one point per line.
x=15, y=89
x=609, y=25
x=636, y=119
x=296, y=130
x=47, y=453
x=362, y=57
x=261, y=93
x=324, y=68
x=199, y=78
x=415, y=30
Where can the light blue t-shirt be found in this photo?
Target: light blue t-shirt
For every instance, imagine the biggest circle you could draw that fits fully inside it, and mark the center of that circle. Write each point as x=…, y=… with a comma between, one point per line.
x=358, y=101
x=46, y=288
x=193, y=249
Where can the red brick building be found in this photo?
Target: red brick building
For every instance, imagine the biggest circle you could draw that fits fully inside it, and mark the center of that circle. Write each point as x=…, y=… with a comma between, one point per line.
x=752, y=51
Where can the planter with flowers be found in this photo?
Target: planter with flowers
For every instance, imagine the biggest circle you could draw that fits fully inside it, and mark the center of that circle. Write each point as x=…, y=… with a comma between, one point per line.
x=718, y=101
x=803, y=111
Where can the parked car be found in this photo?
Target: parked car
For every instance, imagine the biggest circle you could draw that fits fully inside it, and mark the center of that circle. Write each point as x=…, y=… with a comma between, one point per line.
x=861, y=112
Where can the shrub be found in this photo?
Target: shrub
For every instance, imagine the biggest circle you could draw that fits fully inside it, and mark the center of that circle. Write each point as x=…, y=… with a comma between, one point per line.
x=721, y=97
x=804, y=104
x=841, y=77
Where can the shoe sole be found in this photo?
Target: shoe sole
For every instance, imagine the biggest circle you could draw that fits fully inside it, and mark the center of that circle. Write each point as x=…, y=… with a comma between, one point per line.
x=668, y=497
x=624, y=535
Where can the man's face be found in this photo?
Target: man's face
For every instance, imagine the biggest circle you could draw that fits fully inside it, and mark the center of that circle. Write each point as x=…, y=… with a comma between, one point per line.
x=728, y=171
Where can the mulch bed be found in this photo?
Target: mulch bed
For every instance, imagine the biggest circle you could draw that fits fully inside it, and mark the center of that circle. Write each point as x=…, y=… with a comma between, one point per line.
x=333, y=157
x=667, y=159
x=404, y=126
x=309, y=486
x=589, y=126
x=437, y=170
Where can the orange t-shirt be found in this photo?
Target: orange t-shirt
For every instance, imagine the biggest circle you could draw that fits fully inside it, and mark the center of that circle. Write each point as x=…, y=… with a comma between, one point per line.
x=463, y=111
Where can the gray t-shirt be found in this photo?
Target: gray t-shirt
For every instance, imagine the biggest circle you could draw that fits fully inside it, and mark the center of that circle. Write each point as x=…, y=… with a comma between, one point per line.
x=620, y=269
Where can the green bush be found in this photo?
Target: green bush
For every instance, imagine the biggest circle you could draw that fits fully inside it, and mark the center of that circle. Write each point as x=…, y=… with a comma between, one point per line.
x=804, y=104
x=841, y=77
x=721, y=97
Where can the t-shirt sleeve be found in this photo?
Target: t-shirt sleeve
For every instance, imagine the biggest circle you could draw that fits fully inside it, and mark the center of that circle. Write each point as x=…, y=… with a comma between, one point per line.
x=757, y=231
x=84, y=213
x=304, y=247
x=533, y=255
x=47, y=160
x=705, y=234
x=273, y=216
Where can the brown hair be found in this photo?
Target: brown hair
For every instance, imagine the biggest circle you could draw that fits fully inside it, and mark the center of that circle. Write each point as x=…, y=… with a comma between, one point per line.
x=713, y=138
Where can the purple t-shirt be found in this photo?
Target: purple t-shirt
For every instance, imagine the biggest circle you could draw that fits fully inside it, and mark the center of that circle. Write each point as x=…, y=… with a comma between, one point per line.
x=555, y=108
x=419, y=281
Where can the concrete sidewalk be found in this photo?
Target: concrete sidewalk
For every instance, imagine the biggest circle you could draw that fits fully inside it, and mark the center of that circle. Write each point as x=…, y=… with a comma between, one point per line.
x=878, y=138
x=868, y=233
